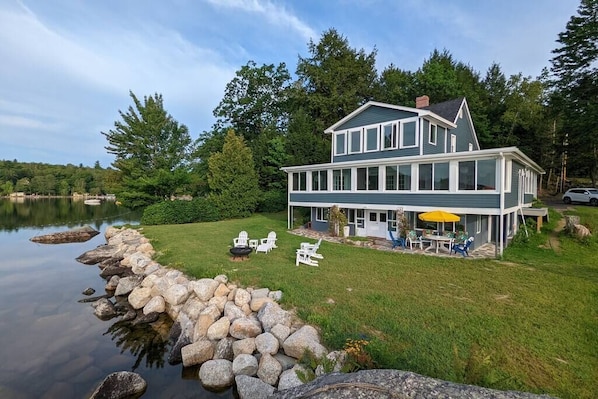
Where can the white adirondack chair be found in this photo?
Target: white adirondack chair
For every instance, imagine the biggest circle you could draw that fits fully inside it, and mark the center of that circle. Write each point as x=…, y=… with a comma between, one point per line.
x=304, y=257
x=267, y=244
x=241, y=240
x=312, y=249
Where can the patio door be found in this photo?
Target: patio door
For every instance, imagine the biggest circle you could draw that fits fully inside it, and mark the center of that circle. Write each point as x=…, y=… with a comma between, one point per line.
x=376, y=225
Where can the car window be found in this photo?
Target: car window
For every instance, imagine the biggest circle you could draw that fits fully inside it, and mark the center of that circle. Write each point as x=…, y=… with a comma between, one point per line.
x=593, y=192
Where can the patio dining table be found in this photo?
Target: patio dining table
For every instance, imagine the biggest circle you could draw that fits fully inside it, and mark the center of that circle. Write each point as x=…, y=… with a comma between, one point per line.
x=439, y=241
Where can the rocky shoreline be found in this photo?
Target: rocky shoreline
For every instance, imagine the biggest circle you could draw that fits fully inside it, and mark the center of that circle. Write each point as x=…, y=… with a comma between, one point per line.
x=230, y=331
x=236, y=335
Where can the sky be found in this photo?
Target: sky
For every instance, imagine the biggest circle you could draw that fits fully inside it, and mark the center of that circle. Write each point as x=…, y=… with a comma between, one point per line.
x=67, y=66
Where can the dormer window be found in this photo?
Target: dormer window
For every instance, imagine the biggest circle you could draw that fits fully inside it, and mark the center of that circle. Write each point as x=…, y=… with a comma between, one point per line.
x=371, y=139
x=354, y=141
x=389, y=138
x=340, y=145
x=409, y=134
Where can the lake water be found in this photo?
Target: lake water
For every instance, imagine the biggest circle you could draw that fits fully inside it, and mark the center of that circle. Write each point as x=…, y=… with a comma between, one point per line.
x=52, y=345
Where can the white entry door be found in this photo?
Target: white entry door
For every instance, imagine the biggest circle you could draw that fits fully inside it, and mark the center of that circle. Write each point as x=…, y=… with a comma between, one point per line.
x=375, y=224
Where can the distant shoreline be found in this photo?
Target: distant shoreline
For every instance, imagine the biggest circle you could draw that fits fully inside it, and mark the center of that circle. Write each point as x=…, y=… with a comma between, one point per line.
x=107, y=197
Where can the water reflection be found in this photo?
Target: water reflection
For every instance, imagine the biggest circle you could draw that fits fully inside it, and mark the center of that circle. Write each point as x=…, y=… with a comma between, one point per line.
x=42, y=212
x=147, y=341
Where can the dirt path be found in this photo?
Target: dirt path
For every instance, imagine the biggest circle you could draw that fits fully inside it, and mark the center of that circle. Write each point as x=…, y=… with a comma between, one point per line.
x=553, y=238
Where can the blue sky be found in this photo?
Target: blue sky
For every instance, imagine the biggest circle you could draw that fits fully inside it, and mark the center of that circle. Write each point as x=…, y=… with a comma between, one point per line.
x=66, y=66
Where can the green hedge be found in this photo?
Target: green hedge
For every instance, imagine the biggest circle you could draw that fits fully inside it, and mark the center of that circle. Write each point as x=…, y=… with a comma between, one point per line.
x=179, y=211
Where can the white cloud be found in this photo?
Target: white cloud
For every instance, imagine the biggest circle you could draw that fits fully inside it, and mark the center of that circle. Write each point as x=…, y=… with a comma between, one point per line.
x=274, y=14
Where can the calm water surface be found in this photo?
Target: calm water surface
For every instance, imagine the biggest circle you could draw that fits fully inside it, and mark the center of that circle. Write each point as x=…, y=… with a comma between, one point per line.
x=53, y=346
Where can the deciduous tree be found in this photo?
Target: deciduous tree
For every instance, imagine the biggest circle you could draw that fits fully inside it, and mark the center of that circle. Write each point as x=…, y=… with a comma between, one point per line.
x=152, y=152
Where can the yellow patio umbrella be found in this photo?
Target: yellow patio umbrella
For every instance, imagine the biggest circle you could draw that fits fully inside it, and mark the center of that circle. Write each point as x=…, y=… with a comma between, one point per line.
x=438, y=216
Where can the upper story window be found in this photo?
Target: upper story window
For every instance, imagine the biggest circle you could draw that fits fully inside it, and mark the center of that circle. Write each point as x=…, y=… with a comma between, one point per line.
x=434, y=176
x=341, y=179
x=453, y=147
x=477, y=175
x=389, y=136
x=433, y=134
x=340, y=145
x=398, y=178
x=319, y=180
x=354, y=141
x=408, y=134
x=371, y=139
x=367, y=178
x=300, y=181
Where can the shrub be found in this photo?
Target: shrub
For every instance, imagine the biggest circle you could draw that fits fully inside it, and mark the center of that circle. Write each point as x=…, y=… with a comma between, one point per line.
x=272, y=201
x=178, y=212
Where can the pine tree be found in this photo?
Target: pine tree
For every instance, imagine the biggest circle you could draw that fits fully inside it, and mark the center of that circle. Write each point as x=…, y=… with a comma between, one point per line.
x=232, y=178
x=575, y=69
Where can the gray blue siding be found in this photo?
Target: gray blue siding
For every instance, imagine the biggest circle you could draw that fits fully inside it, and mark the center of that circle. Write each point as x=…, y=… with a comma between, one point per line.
x=431, y=148
x=375, y=114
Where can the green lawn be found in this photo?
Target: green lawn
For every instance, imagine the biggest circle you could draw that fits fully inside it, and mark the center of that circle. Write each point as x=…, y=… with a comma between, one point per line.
x=528, y=322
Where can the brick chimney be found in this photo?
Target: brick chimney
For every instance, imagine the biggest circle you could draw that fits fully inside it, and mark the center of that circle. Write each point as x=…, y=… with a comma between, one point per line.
x=422, y=101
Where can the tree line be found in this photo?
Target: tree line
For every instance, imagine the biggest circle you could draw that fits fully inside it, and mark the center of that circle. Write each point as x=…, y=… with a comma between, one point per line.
x=56, y=180
x=268, y=119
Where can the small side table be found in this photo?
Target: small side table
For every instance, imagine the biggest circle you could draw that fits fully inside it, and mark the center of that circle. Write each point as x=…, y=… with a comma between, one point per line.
x=253, y=244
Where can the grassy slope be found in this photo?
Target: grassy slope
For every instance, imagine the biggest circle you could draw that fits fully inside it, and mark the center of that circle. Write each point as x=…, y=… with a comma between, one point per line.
x=528, y=322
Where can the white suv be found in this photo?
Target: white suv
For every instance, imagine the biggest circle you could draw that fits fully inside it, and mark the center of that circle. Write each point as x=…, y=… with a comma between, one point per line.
x=587, y=195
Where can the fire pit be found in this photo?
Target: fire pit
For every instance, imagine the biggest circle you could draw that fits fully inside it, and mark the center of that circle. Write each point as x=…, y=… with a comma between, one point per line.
x=240, y=253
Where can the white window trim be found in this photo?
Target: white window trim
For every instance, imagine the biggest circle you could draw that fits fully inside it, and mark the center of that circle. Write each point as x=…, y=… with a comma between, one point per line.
x=402, y=132
x=453, y=143
x=430, y=141
x=394, y=126
x=365, y=138
x=352, y=182
x=350, y=141
x=336, y=135
x=478, y=224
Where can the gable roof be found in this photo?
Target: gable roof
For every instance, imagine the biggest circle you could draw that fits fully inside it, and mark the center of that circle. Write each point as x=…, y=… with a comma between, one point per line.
x=448, y=110
x=418, y=111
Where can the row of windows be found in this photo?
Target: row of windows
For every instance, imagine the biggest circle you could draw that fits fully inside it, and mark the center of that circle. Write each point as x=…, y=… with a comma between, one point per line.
x=390, y=136
x=472, y=175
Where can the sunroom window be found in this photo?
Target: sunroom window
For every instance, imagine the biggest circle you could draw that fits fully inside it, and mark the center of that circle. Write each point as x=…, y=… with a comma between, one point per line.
x=367, y=178
x=434, y=176
x=319, y=180
x=477, y=175
x=300, y=181
x=341, y=179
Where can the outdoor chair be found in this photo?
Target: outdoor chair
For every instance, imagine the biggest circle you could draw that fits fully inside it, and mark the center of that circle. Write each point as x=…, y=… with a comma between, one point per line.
x=462, y=248
x=423, y=239
x=305, y=257
x=267, y=244
x=242, y=240
x=412, y=238
x=312, y=249
x=396, y=242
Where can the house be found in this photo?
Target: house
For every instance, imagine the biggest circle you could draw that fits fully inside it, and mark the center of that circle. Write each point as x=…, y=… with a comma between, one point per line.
x=388, y=160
